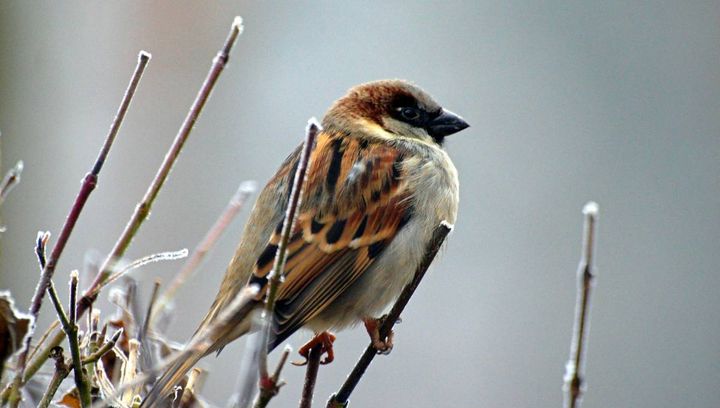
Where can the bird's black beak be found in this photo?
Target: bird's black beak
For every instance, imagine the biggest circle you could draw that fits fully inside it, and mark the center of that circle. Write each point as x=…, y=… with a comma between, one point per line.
x=445, y=124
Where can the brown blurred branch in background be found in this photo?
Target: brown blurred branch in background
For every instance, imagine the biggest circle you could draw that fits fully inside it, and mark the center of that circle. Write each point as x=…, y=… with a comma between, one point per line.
x=340, y=399
x=236, y=203
x=11, y=179
x=88, y=185
x=574, y=385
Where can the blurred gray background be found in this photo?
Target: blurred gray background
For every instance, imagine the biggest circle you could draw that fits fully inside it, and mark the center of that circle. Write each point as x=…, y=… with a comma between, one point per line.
x=614, y=101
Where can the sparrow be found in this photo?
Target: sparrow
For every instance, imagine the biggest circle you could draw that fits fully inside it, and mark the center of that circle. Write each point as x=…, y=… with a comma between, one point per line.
x=378, y=183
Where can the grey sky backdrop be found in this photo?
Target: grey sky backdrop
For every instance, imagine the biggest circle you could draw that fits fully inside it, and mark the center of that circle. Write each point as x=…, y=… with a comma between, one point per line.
x=569, y=101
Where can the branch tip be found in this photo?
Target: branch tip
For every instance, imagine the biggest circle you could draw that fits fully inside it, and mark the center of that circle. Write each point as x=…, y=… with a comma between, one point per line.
x=447, y=225
x=591, y=209
x=144, y=57
x=237, y=24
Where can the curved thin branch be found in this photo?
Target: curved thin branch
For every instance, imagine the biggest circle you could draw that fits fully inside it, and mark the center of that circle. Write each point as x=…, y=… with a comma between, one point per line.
x=340, y=399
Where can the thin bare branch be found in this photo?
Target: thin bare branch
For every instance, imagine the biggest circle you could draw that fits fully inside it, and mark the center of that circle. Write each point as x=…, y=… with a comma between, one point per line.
x=143, y=59
x=142, y=210
x=273, y=383
x=313, y=365
x=54, y=325
x=574, y=385
x=61, y=372
x=268, y=388
x=86, y=188
x=278, y=270
x=70, y=329
x=158, y=257
x=94, y=357
x=81, y=381
x=341, y=397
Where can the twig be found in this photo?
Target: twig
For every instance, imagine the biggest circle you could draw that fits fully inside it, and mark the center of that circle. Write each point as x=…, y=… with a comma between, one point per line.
x=61, y=371
x=267, y=387
x=340, y=399
x=273, y=385
x=87, y=186
x=130, y=372
x=94, y=357
x=151, y=305
x=226, y=319
x=160, y=256
x=231, y=210
x=278, y=270
x=54, y=325
x=72, y=333
x=574, y=385
x=68, y=324
x=12, y=178
x=11, y=394
x=143, y=208
x=196, y=380
x=313, y=365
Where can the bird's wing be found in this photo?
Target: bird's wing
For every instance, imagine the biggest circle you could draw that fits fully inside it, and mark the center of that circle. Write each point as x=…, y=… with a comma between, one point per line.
x=356, y=199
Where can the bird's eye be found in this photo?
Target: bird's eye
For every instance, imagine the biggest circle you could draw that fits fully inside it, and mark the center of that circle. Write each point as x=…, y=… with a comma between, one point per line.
x=410, y=114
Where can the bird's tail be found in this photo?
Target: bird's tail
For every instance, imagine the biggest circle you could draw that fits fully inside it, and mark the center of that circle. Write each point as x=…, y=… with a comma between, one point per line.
x=212, y=335
x=172, y=376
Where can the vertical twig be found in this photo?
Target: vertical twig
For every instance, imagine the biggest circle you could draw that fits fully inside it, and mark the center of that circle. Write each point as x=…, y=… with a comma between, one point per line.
x=72, y=333
x=272, y=384
x=341, y=397
x=88, y=185
x=574, y=385
x=313, y=365
x=61, y=371
x=142, y=210
x=277, y=272
x=267, y=387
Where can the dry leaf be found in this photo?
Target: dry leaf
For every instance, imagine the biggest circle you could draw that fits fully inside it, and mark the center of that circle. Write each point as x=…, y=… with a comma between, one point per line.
x=14, y=326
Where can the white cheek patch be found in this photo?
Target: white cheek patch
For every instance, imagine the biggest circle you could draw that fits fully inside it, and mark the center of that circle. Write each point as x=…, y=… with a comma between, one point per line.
x=398, y=130
x=404, y=129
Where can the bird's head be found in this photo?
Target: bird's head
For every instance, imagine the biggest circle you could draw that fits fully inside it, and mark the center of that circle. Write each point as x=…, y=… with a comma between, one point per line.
x=391, y=109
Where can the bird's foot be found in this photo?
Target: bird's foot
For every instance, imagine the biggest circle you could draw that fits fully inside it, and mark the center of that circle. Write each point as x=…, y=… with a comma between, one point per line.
x=382, y=346
x=325, y=340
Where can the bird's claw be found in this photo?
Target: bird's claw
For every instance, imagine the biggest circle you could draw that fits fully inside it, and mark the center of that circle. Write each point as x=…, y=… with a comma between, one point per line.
x=381, y=347
x=325, y=340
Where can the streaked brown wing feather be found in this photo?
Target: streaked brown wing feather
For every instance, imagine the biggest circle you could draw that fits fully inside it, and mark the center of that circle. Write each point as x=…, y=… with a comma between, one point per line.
x=354, y=203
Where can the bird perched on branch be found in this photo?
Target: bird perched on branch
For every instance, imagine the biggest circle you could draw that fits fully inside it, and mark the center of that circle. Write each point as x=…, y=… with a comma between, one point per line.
x=377, y=185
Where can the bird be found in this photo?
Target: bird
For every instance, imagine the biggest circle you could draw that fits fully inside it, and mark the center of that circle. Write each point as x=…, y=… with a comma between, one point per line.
x=377, y=184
